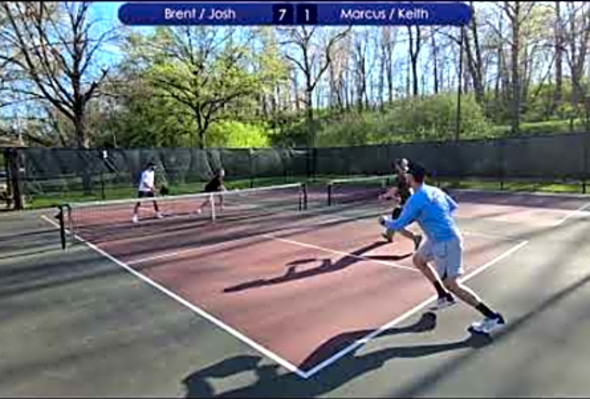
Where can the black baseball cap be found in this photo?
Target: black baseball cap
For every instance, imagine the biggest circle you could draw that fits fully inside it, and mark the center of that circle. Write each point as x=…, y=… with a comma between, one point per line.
x=417, y=171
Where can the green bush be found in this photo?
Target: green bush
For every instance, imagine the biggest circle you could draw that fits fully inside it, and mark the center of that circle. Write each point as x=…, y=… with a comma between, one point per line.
x=539, y=128
x=231, y=134
x=429, y=118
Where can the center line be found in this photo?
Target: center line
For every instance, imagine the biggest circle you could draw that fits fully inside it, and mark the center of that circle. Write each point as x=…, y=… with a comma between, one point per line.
x=572, y=213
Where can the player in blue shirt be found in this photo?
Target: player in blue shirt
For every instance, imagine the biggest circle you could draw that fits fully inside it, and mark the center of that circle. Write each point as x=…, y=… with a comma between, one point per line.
x=432, y=209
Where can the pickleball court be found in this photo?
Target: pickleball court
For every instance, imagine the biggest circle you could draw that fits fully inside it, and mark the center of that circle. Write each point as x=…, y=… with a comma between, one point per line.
x=286, y=281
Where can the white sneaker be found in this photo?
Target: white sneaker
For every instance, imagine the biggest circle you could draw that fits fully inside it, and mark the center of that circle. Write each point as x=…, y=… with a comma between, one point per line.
x=135, y=219
x=487, y=325
x=442, y=303
x=159, y=215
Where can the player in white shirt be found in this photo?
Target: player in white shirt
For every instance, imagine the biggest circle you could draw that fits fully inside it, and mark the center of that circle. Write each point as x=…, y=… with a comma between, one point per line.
x=147, y=188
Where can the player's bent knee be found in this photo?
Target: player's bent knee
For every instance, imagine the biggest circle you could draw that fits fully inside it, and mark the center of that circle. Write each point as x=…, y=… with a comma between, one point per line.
x=451, y=284
x=419, y=261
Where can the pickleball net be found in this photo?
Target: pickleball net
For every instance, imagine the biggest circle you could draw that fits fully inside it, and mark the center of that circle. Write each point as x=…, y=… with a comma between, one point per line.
x=357, y=189
x=104, y=220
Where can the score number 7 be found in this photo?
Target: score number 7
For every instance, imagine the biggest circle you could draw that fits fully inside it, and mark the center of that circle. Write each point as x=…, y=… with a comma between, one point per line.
x=282, y=13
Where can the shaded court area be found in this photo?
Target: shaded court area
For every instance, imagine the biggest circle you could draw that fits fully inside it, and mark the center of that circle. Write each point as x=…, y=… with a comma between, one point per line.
x=295, y=304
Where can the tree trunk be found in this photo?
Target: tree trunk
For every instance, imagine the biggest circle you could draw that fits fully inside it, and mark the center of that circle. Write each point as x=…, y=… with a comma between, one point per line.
x=309, y=117
x=83, y=144
x=557, y=96
x=414, y=53
x=515, y=60
x=435, y=63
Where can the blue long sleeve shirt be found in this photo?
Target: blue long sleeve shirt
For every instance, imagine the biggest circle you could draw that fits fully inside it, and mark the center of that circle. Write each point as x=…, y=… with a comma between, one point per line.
x=432, y=209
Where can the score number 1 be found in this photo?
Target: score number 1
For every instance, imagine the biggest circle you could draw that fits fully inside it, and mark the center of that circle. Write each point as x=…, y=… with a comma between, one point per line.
x=307, y=14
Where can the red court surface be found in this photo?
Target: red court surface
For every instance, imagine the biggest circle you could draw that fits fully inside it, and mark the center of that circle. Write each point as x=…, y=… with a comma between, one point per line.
x=301, y=294
x=541, y=210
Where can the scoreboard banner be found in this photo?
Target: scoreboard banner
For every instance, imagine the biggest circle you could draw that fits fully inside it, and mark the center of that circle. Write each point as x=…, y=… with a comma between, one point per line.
x=268, y=13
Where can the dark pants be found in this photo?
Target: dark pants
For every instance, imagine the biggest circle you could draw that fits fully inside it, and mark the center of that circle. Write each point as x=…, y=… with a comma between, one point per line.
x=146, y=194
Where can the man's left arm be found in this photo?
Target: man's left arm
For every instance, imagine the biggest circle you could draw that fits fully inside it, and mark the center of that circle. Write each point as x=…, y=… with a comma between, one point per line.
x=452, y=204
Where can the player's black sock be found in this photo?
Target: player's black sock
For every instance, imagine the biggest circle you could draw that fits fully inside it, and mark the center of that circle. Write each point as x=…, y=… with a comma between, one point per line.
x=487, y=312
x=442, y=293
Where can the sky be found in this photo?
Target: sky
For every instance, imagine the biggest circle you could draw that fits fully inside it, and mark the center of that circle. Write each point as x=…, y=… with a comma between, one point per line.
x=107, y=12
x=106, y=15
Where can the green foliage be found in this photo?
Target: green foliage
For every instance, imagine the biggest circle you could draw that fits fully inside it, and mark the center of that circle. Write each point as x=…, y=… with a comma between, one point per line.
x=545, y=127
x=429, y=118
x=231, y=134
x=207, y=75
x=144, y=119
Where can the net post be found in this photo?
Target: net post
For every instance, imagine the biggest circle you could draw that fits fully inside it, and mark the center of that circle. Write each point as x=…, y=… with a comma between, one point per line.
x=303, y=197
x=329, y=188
x=212, y=204
x=102, y=186
x=502, y=163
x=251, y=166
x=7, y=171
x=62, y=225
x=16, y=178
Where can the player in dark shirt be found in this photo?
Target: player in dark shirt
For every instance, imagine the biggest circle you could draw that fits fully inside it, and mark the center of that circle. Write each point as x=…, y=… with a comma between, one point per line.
x=214, y=185
x=401, y=192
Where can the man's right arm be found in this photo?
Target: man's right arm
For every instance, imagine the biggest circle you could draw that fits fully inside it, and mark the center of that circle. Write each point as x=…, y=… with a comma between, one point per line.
x=409, y=213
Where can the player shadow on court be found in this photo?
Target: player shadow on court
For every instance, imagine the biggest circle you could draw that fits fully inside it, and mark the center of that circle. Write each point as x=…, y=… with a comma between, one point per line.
x=272, y=380
x=326, y=266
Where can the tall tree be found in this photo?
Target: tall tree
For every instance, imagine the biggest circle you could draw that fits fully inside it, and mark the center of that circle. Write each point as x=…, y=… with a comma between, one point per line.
x=415, y=45
x=54, y=48
x=387, y=47
x=308, y=55
x=474, y=60
x=205, y=70
x=577, y=36
x=559, y=51
x=360, y=45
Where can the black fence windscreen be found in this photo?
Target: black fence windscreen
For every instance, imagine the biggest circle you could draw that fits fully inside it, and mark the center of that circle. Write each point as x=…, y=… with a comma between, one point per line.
x=113, y=173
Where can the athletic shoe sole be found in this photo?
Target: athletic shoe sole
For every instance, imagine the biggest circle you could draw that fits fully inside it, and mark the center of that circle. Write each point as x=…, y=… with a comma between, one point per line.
x=442, y=306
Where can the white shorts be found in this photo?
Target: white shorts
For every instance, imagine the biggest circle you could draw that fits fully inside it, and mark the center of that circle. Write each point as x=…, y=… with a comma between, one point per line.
x=447, y=256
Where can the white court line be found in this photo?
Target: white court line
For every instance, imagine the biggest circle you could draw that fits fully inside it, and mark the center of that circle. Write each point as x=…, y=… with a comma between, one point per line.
x=199, y=311
x=469, y=233
x=521, y=193
x=572, y=213
x=411, y=312
x=306, y=245
x=487, y=235
x=287, y=365
x=220, y=244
